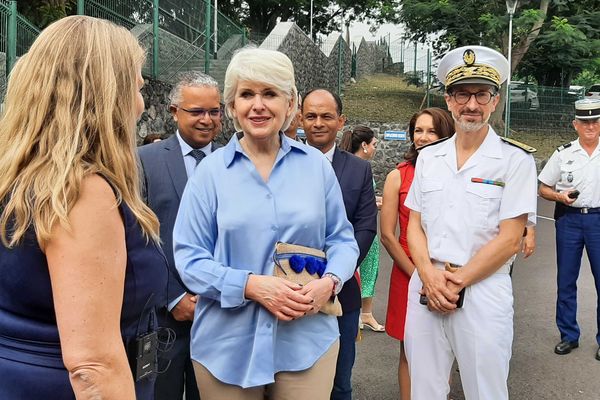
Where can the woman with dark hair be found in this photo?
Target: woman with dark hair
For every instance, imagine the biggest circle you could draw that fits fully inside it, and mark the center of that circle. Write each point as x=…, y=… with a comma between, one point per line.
x=151, y=138
x=426, y=126
x=361, y=142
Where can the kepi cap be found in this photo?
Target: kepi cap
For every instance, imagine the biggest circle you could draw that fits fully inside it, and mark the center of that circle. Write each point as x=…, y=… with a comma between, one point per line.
x=587, y=109
x=473, y=64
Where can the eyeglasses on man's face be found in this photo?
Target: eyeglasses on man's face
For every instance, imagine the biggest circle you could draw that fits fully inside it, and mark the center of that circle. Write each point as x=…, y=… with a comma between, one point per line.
x=482, y=98
x=214, y=113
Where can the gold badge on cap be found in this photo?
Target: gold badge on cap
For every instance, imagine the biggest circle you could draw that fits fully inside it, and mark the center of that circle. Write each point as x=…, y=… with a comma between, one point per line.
x=469, y=57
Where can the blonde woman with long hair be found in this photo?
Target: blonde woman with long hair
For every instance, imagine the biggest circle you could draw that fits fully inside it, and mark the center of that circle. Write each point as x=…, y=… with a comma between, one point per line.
x=80, y=268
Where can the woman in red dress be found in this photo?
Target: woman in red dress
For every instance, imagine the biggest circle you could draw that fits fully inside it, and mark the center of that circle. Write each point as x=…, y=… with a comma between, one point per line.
x=425, y=127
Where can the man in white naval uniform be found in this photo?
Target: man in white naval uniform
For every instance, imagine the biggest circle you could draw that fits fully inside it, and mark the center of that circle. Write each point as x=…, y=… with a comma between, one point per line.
x=471, y=198
x=571, y=178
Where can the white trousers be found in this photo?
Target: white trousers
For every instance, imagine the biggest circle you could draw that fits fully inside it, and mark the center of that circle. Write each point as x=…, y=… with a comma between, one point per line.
x=479, y=335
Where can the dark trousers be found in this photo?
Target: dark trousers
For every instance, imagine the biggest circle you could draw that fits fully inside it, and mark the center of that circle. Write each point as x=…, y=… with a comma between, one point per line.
x=573, y=232
x=342, y=383
x=179, y=374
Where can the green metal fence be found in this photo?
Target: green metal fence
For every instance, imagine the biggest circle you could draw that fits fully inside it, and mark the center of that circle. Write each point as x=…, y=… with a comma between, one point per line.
x=178, y=34
x=16, y=36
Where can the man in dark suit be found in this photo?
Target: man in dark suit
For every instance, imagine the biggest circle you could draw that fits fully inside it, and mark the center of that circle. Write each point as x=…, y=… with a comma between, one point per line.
x=195, y=107
x=322, y=118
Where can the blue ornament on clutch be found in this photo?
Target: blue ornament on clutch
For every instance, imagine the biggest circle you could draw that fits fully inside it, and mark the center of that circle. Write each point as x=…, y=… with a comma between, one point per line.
x=297, y=263
x=311, y=265
x=321, y=267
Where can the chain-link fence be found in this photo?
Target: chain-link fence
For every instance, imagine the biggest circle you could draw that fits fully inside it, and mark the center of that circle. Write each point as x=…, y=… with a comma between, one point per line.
x=16, y=36
x=179, y=35
x=538, y=114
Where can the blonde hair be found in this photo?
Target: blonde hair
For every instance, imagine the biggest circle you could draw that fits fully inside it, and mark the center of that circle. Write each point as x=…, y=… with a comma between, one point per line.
x=259, y=65
x=70, y=112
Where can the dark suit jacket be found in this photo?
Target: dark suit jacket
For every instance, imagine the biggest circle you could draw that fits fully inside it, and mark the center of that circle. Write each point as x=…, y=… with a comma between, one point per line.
x=356, y=180
x=163, y=180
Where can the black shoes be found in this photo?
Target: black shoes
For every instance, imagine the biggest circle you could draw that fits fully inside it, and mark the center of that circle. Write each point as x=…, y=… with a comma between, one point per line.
x=565, y=347
x=598, y=354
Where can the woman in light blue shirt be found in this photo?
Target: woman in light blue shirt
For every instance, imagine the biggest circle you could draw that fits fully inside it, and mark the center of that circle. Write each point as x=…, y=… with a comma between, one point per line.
x=252, y=330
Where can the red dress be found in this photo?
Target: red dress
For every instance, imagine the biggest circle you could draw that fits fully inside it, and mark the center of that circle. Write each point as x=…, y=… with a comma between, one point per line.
x=398, y=297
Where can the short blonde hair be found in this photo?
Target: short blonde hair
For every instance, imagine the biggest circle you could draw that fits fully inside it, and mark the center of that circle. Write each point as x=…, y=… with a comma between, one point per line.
x=70, y=112
x=259, y=65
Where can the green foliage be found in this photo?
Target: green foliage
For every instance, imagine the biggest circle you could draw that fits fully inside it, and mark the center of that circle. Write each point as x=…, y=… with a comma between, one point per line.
x=43, y=12
x=262, y=15
x=586, y=78
x=414, y=78
x=566, y=43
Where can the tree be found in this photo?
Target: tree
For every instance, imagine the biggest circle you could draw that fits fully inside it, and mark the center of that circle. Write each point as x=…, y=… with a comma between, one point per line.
x=261, y=16
x=462, y=22
x=42, y=12
x=548, y=35
x=568, y=44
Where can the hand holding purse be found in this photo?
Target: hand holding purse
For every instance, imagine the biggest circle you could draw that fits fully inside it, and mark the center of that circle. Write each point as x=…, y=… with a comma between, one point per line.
x=301, y=264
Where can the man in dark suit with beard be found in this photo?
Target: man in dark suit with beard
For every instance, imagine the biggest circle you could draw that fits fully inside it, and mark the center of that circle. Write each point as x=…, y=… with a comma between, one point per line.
x=195, y=107
x=322, y=118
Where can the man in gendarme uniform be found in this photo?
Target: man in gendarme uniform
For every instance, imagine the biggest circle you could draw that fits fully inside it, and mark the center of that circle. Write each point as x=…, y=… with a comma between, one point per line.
x=470, y=201
x=575, y=167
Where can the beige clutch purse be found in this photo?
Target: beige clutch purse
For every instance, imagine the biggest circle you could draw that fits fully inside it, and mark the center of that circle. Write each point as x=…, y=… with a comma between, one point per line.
x=301, y=264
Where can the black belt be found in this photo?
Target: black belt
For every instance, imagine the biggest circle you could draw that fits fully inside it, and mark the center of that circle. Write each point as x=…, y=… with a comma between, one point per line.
x=582, y=210
x=561, y=209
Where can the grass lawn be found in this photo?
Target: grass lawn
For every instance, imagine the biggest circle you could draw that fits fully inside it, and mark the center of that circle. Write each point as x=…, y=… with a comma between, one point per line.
x=388, y=99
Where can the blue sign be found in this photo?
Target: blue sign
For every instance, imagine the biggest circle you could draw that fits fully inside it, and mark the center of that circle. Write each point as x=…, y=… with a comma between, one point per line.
x=300, y=133
x=394, y=135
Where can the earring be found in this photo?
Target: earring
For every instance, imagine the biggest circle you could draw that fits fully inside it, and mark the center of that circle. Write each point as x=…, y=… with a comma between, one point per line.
x=364, y=150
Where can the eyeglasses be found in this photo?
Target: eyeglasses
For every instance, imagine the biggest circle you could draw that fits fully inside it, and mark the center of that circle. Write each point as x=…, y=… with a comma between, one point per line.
x=214, y=113
x=482, y=98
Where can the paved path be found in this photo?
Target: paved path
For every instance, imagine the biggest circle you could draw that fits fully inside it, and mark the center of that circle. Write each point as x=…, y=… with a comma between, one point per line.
x=536, y=372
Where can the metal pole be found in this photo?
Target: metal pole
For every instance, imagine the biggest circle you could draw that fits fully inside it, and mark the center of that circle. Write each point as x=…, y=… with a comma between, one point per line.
x=428, y=77
x=11, y=46
x=155, y=11
x=80, y=7
x=507, y=114
x=415, y=60
x=402, y=55
x=207, y=38
x=215, y=28
x=340, y=49
x=311, y=19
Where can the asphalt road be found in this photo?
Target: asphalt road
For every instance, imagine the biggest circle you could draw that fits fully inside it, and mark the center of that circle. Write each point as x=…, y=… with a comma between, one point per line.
x=536, y=372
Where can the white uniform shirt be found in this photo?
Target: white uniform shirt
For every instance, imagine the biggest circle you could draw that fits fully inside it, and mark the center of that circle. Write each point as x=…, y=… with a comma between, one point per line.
x=572, y=168
x=460, y=216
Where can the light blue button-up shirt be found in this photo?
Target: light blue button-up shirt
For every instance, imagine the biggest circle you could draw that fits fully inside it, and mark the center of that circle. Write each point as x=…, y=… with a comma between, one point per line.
x=228, y=223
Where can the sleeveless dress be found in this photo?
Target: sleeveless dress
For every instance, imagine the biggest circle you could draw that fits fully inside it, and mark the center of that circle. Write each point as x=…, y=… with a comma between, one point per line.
x=31, y=365
x=398, y=297
x=369, y=268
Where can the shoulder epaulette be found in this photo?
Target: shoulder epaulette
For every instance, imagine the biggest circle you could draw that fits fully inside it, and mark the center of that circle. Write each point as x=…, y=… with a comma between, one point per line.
x=525, y=147
x=564, y=146
x=433, y=143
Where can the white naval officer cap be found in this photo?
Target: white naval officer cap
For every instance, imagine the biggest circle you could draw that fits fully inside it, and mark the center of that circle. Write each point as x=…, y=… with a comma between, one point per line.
x=587, y=109
x=473, y=64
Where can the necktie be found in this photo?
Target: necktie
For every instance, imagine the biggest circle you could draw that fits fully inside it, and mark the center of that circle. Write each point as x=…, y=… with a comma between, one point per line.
x=198, y=155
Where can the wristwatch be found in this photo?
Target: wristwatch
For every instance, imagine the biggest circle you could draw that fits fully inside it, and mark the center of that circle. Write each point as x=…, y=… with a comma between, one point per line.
x=337, y=282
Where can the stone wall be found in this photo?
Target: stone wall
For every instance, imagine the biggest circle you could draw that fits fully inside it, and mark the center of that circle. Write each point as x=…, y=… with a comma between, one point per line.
x=371, y=58
x=313, y=68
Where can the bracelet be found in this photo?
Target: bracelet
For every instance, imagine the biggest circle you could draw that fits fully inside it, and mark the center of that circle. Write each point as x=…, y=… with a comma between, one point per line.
x=337, y=283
